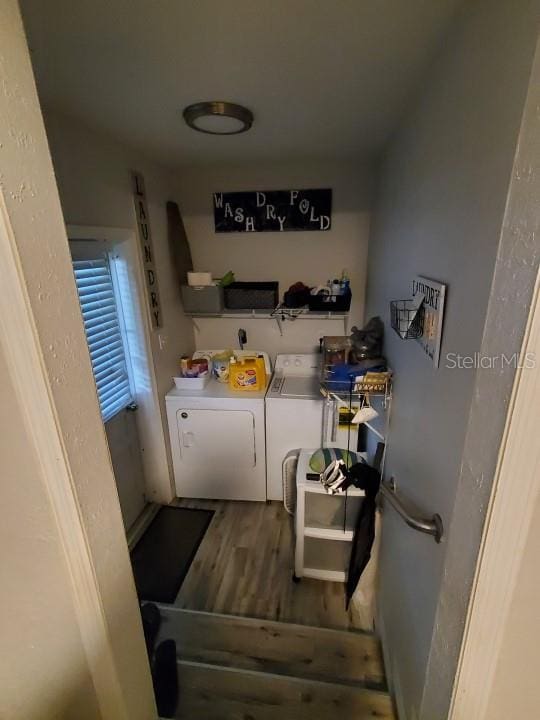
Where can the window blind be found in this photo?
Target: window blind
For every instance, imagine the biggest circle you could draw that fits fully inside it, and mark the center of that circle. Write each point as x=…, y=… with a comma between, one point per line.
x=103, y=334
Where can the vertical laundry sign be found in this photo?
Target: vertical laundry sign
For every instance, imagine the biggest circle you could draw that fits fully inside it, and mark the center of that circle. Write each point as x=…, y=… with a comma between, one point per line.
x=145, y=238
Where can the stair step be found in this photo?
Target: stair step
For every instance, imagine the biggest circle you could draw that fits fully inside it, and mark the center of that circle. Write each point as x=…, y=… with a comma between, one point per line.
x=219, y=693
x=268, y=646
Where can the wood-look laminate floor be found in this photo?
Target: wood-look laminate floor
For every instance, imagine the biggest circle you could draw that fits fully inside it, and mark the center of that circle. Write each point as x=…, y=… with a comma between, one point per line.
x=244, y=566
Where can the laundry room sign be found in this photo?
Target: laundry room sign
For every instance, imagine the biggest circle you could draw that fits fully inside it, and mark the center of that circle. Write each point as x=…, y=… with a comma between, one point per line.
x=273, y=210
x=433, y=294
x=145, y=238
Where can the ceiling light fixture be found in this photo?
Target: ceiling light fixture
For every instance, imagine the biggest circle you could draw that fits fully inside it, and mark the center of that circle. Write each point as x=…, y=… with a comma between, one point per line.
x=218, y=118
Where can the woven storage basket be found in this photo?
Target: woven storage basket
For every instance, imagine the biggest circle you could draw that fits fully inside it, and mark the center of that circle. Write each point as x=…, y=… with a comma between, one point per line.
x=252, y=295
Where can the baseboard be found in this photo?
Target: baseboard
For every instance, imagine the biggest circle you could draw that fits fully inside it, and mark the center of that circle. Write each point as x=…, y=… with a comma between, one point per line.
x=392, y=680
x=136, y=531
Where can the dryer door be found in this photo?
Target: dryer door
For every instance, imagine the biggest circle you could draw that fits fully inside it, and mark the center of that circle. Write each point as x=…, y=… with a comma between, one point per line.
x=217, y=453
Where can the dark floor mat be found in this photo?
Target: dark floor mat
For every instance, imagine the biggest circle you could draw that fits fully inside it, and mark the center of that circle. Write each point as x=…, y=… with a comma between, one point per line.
x=162, y=557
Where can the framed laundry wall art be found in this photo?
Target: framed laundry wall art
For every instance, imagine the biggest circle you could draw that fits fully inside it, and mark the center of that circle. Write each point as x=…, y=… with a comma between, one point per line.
x=434, y=294
x=273, y=210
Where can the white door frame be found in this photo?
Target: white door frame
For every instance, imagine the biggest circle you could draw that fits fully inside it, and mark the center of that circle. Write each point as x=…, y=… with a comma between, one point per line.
x=516, y=486
x=150, y=424
x=43, y=339
x=23, y=355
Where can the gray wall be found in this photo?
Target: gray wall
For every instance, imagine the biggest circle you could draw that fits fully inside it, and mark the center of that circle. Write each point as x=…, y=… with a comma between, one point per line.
x=512, y=290
x=442, y=195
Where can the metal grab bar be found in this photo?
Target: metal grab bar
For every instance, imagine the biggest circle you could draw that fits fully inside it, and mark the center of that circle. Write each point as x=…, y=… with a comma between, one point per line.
x=433, y=526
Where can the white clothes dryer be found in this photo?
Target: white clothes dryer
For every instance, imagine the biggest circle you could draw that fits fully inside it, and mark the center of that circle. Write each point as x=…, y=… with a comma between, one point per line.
x=218, y=439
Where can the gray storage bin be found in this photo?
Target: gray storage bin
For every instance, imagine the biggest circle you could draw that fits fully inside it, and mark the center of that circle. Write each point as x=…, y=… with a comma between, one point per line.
x=207, y=299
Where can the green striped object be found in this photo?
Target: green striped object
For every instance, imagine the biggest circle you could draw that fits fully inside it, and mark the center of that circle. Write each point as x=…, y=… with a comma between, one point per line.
x=323, y=457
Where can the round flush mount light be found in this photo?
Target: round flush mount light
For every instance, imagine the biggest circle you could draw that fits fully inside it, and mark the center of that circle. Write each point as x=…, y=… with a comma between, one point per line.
x=218, y=118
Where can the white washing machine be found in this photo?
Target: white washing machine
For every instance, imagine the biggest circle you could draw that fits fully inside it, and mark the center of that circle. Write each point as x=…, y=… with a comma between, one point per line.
x=218, y=439
x=295, y=416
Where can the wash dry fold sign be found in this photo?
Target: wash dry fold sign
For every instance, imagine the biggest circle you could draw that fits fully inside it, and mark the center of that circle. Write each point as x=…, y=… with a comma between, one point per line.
x=273, y=210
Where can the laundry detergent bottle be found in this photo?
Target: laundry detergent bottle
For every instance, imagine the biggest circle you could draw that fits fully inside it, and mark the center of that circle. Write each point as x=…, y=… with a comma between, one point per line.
x=247, y=373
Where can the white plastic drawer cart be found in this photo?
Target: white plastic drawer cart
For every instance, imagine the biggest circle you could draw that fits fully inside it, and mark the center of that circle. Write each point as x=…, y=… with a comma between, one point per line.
x=325, y=524
x=324, y=527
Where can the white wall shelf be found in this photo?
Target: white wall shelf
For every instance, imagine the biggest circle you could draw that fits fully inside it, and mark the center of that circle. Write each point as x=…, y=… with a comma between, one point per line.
x=279, y=315
x=270, y=315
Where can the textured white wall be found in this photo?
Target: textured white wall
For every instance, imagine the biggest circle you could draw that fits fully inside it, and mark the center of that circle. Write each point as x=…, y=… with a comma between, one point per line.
x=312, y=257
x=94, y=181
x=44, y=672
x=439, y=213
x=512, y=291
x=38, y=623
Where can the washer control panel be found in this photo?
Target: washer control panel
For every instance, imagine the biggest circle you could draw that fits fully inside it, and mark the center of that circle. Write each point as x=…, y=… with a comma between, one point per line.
x=298, y=364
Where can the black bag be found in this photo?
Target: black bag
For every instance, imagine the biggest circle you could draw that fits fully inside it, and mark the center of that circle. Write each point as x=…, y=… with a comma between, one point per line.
x=368, y=479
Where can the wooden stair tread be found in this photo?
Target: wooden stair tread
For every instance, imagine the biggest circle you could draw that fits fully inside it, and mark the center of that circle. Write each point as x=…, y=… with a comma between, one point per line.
x=268, y=646
x=219, y=693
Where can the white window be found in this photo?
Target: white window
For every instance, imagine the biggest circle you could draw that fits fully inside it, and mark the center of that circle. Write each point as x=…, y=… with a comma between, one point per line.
x=104, y=333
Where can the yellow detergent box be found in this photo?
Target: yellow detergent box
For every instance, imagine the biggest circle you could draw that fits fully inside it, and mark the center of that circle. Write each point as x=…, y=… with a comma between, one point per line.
x=247, y=373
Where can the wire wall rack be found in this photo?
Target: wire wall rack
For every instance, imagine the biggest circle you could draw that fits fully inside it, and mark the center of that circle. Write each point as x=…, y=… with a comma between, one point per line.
x=370, y=383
